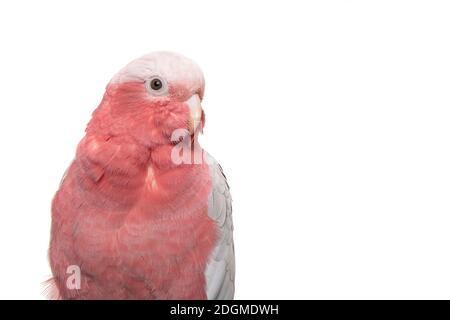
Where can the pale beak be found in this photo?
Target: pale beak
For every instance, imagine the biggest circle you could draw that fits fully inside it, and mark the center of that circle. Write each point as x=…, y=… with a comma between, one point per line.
x=195, y=112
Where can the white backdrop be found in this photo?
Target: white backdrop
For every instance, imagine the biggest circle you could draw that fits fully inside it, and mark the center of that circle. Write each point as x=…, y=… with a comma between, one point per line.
x=330, y=118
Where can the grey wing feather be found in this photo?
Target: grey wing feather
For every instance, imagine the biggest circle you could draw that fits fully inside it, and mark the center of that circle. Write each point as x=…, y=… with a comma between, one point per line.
x=220, y=270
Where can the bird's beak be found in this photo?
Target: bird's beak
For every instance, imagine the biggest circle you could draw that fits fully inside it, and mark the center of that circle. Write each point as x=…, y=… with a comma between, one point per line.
x=195, y=112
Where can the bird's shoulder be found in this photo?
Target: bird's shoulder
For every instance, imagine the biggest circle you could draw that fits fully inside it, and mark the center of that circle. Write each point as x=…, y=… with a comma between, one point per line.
x=220, y=270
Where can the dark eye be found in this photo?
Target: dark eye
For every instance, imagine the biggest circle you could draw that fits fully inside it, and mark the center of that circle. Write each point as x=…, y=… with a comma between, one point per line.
x=156, y=84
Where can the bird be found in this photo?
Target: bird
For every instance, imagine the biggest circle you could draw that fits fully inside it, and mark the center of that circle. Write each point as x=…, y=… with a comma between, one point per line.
x=143, y=212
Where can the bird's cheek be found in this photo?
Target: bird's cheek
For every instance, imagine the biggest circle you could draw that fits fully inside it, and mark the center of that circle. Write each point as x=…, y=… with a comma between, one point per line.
x=177, y=118
x=148, y=134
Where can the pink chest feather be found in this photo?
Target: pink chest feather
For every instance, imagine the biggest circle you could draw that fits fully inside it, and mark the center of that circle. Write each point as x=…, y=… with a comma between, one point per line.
x=144, y=234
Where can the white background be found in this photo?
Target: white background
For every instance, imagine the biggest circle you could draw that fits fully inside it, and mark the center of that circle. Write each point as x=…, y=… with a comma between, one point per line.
x=330, y=118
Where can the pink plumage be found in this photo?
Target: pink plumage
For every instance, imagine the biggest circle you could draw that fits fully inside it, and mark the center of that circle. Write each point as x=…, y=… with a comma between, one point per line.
x=138, y=225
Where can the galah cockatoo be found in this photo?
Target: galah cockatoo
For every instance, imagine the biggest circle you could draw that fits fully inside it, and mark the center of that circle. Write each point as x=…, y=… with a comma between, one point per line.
x=143, y=212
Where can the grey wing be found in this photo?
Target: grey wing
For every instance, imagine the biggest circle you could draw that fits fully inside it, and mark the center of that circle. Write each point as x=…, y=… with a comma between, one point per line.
x=220, y=270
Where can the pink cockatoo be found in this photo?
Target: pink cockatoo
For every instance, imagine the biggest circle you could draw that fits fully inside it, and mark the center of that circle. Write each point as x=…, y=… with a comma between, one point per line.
x=137, y=216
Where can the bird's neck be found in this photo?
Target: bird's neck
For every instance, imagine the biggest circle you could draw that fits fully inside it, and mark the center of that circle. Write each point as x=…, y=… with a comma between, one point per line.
x=125, y=173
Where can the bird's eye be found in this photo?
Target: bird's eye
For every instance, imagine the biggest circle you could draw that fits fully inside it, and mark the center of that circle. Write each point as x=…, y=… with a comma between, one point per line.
x=156, y=86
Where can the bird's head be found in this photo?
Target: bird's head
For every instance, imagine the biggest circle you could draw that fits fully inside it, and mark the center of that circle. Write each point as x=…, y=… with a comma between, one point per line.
x=152, y=97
